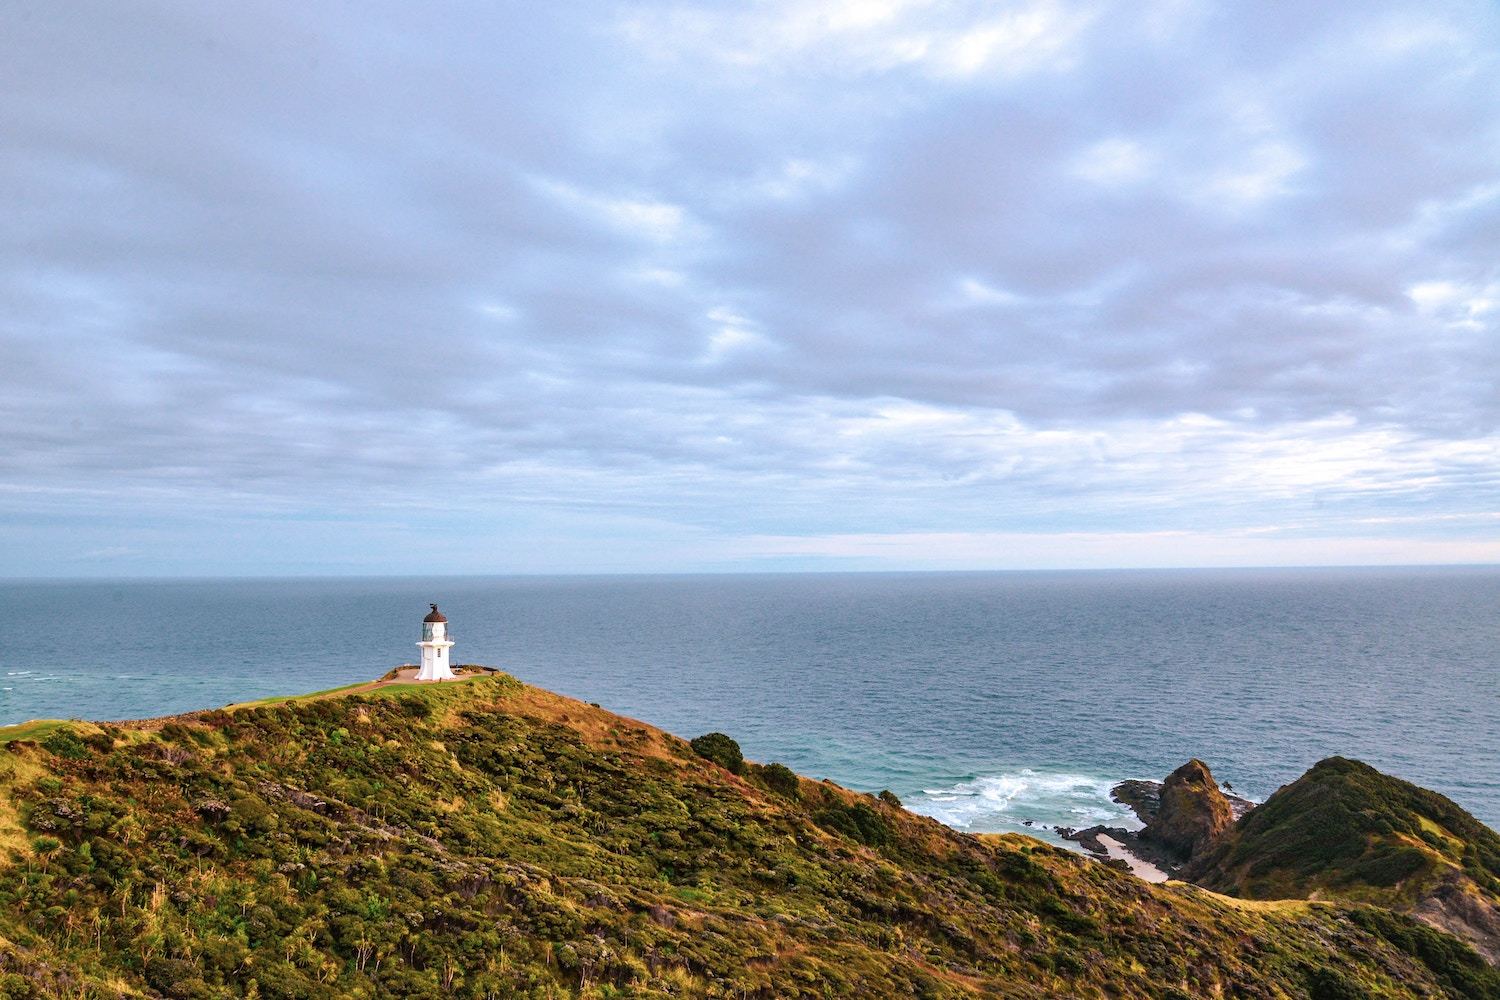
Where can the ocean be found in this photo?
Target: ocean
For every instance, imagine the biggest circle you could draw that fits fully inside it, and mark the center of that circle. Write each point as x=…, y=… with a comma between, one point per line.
x=986, y=700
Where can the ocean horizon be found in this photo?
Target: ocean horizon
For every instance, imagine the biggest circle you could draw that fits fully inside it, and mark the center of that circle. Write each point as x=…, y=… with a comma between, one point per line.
x=993, y=701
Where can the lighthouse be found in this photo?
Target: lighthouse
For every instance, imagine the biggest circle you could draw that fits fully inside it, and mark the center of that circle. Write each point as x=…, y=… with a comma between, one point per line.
x=435, y=645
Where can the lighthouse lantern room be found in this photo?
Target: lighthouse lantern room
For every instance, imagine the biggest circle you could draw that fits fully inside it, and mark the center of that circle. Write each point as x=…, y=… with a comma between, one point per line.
x=435, y=645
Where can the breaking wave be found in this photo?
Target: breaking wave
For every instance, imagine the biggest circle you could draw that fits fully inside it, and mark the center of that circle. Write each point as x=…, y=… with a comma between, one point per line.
x=1004, y=802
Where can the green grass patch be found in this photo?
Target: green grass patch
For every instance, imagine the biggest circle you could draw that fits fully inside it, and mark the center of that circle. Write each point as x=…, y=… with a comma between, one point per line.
x=35, y=730
x=283, y=699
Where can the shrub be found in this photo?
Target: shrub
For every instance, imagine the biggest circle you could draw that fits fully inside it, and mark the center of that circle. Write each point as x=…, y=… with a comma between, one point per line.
x=858, y=822
x=415, y=708
x=1329, y=984
x=782, y=780
x=45, y=844
x=721, y=750
x=1387, y=866
x=65, y=743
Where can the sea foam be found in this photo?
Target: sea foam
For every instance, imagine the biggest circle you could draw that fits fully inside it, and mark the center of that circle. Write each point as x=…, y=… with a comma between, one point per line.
x=1004, y=802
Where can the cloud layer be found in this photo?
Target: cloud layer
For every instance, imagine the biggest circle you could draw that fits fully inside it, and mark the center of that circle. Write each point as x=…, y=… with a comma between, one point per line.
x=688, y=286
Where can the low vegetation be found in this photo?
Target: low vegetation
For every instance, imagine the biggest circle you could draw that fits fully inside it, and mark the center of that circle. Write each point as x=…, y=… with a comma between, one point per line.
x=781, y=779
x=1346, y=831
x=722, y=750
x=488, y=840
x=1345, y=824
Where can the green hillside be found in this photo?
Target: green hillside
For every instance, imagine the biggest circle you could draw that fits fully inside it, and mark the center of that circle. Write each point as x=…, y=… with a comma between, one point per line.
x=1346, y=831
x=485, y=839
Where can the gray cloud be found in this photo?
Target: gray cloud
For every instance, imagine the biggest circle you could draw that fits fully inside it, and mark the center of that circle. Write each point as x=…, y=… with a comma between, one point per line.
x=774, y=270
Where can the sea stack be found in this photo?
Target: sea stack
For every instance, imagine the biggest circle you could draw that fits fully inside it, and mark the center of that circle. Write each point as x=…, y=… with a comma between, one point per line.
x=1192, y=812
x=435, y=645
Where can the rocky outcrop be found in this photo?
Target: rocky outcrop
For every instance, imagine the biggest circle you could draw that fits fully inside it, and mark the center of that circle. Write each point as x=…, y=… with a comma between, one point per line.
x=1458, y=906
x=1191, y=821
x=1143, y=797
x=1191, y=811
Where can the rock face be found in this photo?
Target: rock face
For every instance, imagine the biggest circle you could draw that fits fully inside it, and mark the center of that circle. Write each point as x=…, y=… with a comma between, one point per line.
x=1192, y=811
x=1457, y=905
x=1143, y=797
x=1182, y=815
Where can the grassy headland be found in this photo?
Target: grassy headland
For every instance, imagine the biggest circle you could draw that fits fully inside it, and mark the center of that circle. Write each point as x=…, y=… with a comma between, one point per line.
x=488, y=839
x=1346, y=831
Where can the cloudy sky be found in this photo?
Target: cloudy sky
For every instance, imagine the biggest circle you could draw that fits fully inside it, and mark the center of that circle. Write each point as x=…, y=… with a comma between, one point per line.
x=815, y=284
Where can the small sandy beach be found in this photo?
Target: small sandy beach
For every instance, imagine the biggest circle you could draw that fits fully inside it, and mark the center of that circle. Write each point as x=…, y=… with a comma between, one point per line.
x=1139, y=867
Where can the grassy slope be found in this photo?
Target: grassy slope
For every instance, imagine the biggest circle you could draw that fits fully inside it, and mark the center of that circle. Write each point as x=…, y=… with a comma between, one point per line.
x=486, y=839
x=36, y=729
x=1344, y=830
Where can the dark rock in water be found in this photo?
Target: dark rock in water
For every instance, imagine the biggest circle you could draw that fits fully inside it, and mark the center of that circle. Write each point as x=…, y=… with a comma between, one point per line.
x=1191, y=813
x=1182, y=815
x=1143, y=797
x=1087, y=838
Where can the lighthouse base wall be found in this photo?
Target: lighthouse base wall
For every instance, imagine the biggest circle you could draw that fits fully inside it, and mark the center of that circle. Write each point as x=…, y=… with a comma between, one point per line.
x=435, y=662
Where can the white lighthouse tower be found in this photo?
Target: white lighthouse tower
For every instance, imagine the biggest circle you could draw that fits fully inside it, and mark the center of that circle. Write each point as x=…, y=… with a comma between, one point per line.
x=435, y=645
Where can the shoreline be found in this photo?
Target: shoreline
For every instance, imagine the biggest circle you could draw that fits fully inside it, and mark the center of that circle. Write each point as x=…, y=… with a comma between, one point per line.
x=1139, y=867
x=1123, y=848
x=1117, y=845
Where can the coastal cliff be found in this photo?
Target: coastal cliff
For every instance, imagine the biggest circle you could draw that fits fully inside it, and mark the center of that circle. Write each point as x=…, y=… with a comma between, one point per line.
x=487, y=839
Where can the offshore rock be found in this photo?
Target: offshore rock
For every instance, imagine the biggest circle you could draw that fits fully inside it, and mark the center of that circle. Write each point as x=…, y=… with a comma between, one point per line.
x=1192, y=812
